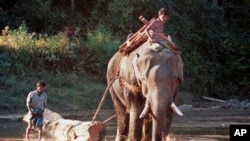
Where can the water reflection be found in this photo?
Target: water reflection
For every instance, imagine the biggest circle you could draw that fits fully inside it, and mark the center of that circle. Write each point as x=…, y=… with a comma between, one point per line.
x=12, y=128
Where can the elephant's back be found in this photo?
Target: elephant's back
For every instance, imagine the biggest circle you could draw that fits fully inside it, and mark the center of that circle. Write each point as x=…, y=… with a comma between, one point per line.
x=113, y=65
x=146, y=51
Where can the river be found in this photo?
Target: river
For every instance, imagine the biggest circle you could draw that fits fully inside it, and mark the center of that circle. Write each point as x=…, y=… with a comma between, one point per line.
x=14, y=130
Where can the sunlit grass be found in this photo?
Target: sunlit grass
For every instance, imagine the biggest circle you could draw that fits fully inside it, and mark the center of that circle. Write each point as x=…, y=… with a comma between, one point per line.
x=74, y=68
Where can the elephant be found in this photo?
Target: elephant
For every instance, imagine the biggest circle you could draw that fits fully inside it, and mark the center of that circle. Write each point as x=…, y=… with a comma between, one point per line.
x=145, y=74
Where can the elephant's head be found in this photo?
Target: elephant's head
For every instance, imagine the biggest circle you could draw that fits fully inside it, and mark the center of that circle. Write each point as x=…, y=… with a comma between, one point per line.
x=158, y=74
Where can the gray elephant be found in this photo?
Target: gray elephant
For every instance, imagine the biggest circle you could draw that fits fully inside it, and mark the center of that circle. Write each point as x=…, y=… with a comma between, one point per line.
x=145, y=73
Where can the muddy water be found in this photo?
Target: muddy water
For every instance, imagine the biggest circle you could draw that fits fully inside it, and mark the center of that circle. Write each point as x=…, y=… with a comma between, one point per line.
x=14, y=130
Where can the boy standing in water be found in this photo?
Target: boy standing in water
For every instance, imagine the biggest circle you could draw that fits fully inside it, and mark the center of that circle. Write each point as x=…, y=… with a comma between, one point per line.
x=36, y=102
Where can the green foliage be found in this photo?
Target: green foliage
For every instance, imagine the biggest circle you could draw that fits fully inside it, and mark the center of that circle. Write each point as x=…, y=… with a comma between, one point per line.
x=237, y=15
x=101, y=45
x=213, y=37
x=74, y=97
x=122, y=16
x=14, y=90
x=123, y=9
x=66, y=92
x=5, y=63
x=33, y=50
x=58, y=53
x=44, y=18
x=39, y=15
x=237, y=64
x=198, y=28
x=37, y=56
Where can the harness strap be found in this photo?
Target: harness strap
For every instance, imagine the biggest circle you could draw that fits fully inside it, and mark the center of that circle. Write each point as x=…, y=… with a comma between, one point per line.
x=133, y=88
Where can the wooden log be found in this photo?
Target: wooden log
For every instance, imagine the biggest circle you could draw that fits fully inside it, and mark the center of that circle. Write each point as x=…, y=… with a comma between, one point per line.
x=213, y=99
x=136, y=39
x=68, y=129
x=48, y=116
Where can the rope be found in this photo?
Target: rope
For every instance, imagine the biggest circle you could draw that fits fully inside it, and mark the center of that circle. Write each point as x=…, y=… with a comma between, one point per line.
x=103, y=98
x=107, y=120
x=105, y=93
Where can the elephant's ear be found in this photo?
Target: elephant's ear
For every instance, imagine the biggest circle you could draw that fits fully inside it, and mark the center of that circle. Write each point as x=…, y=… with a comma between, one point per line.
x=141, y=65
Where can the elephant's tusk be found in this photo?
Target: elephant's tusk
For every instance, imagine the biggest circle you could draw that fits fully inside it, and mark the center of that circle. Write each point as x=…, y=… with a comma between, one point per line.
x=176, y=110
x=144, y=111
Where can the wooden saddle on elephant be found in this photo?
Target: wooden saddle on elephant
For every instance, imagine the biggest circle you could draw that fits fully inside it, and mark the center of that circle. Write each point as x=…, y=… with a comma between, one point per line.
x=136, y=39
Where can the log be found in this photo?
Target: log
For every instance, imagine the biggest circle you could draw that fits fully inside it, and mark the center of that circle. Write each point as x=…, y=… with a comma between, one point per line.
x=136, y=39
x=68, y=129
x=75, y=130
x=213, y=99
x=48, y=116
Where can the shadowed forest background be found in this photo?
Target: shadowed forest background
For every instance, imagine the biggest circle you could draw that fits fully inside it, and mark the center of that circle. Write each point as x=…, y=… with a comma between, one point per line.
x=68, y=43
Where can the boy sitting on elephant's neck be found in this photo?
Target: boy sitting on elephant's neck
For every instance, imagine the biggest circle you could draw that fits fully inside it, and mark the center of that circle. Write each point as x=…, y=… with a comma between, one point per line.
x=154, y=30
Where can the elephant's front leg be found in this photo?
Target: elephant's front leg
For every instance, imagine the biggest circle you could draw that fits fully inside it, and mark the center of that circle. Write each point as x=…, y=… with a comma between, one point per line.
x=147, y=128
x=135, y=125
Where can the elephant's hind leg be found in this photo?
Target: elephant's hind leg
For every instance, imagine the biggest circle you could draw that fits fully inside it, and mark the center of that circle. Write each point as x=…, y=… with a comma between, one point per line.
x=122, y=118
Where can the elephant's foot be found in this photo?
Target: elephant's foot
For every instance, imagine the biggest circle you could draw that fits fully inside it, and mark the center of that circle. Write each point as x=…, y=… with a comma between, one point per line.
x=144, y=111
x=120, y=138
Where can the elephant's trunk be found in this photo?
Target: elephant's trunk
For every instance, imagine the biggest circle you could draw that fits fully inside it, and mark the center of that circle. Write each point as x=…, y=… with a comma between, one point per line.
x=157, y=128
x=161, y=122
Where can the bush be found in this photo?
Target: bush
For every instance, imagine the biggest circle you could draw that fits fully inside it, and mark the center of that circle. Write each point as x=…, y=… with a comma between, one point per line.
x=101, y=46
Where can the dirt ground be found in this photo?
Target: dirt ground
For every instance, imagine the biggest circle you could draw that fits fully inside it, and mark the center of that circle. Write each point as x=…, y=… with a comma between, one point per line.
x=205, y=122
x=211, y=115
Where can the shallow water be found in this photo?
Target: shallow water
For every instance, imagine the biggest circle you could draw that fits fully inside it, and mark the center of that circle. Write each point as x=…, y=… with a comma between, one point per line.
x=14, y=130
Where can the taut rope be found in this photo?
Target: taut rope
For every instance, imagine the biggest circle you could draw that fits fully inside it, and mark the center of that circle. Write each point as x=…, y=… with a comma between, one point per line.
x=107, y=120
x=103, y=98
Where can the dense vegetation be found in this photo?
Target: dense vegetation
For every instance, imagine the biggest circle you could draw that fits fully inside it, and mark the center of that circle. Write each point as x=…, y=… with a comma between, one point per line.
x=68, y=44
